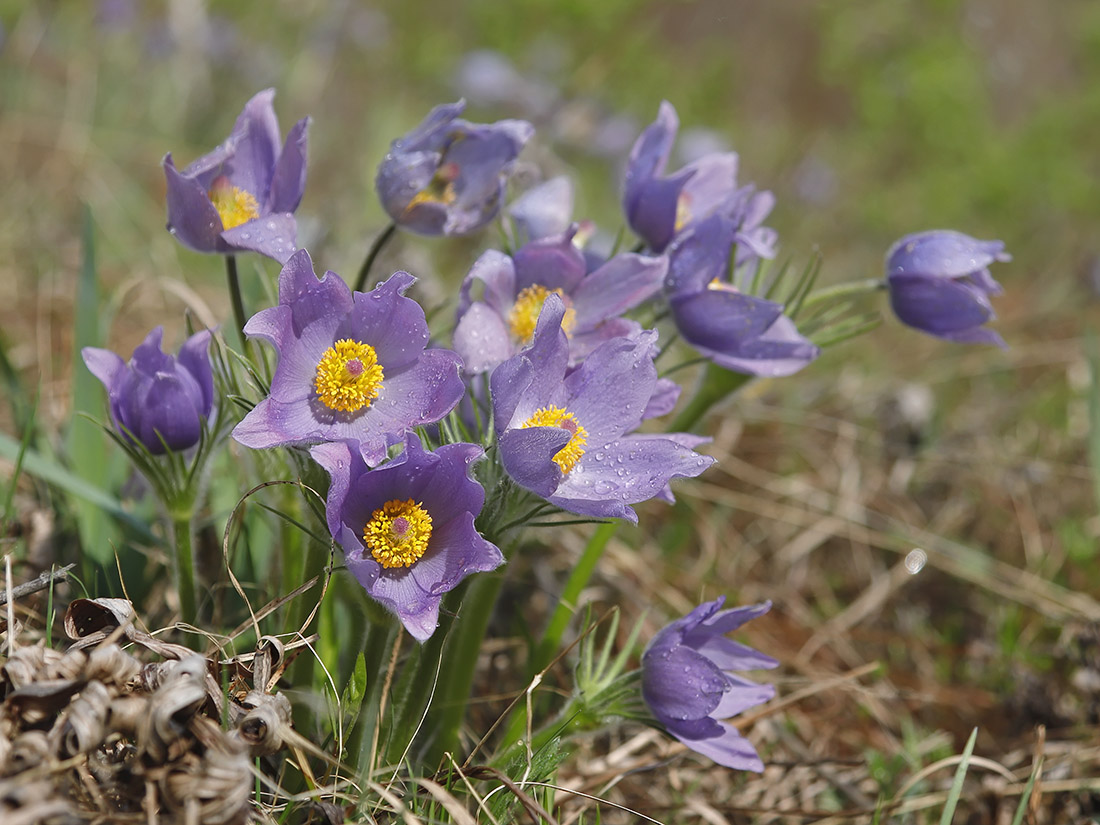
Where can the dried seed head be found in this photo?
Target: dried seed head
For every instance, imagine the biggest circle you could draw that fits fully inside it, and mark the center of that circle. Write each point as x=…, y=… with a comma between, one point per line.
x=264, y=728
x=29, y=664
x=83, y=726
x=213, y=789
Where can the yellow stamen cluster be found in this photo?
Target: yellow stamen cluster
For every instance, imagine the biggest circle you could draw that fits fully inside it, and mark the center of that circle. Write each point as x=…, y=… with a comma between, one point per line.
x=683, y=211
x=397, y=533
x=568, y=456
x=440, y=189
x=349, y=376
x=525, y=312
x=235, y=206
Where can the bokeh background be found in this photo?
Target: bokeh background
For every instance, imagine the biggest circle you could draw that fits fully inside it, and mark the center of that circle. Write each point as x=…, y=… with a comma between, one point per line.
x=868, y=120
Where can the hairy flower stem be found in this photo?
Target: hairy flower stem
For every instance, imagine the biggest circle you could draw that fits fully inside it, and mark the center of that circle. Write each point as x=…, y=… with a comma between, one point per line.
x=375, y=250
x=844, y=290
x=717, y=384
x=185, y=564
x=235, y=295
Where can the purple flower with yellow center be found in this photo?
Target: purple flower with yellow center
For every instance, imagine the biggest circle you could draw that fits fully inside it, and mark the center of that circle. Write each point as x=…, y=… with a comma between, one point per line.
x=407, y=527
x=447, y=176
x=351, y=365
x=939, y=283
x=659, y=207
x=689, y=684
x=737, y=331
x=242, y=196
x=514, y=290
x=567, y=435
x=158, y=399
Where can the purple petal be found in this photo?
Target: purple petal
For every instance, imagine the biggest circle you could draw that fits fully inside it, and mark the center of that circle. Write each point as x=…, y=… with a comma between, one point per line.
x=942, y=253
x=195, y=358
x=255, y=138
x=337, y=458
x=628, y=471
x=191, y=216
x=679, y=684
x=482, y=339
x=740, y=698
x=104, y=365
x=713, y=178
x=619, y=285
x=289, y=180
x=650, y=153
x=937, y=305
x=309, y=298
x=456, y=551
x=607, y=405
x=527, y=455
x=397, y=328
x=498, y=273
x=274, y=235
x=554, y=263
x=731, y=749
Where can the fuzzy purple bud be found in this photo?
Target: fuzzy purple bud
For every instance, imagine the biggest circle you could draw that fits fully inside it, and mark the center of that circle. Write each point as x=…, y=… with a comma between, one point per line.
x=158, y=399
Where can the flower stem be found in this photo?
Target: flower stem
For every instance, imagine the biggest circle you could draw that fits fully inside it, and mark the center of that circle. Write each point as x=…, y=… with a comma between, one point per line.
x=185, y=565
x=235, y=294
x=716, y=385
x=374, y=251
x=567, y=604
x=843, y=291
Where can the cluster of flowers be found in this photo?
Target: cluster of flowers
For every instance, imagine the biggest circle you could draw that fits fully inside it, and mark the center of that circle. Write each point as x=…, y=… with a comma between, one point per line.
x=571, y=378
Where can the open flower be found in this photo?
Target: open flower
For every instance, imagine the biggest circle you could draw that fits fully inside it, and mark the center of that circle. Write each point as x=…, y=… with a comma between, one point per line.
x=659, y=207
x=568, y=435
x=502, y=322
x=242, y=196
x=688, y=684
x=446, y=176
x=740, y=332
x=351, y=365
x=939, y=283
x=407, y=527
x=158, y=399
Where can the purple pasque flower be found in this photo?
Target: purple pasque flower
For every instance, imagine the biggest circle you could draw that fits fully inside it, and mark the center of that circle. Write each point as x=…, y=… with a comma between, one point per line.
x=939, y=283
x=688, y=683
x=446, y=176
x=514, y=289
x=351, y=365
x=568, y=435
x=660, y=207
x=737, y=331
x=407, y=527
x=158, y=399
x=242, y=196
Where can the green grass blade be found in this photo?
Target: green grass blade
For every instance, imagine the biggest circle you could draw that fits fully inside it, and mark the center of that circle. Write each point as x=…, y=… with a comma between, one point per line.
x=1021, y=809
x=960, y=776
x=23, y=446
x=86, y=446
x=65, y=480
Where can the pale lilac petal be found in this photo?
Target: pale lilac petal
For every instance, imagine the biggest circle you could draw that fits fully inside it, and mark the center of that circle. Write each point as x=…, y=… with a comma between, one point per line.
x=274, y=235
x=732, y=750
x=545, y=210
x=621, y=284
x=527, y=455
x=482, y=339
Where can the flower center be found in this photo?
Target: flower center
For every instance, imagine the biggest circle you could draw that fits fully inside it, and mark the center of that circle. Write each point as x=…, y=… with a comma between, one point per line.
x=349, y=376
x=568, y=456
x=397, y=533
x=524, y=315
x=440, y=189
x=235, y=206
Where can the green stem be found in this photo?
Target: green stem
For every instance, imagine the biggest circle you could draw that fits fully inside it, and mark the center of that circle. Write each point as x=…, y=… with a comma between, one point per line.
x=372, y=253
x=567, y=603
x=843, y=291
x=463, y=645
x=185, y=565
x=717, y=384
x=235, y=294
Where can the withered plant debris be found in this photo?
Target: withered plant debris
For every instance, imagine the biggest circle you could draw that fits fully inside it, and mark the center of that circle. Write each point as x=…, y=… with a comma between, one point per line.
x=103, y=732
